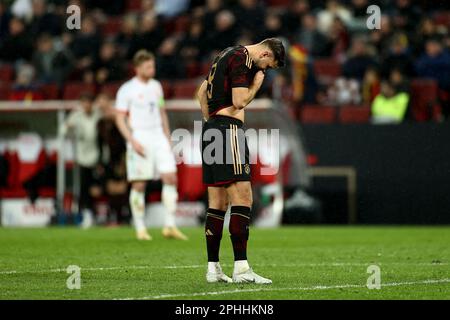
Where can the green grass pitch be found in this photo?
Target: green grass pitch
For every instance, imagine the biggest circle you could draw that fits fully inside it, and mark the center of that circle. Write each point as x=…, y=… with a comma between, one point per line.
x=304, y=263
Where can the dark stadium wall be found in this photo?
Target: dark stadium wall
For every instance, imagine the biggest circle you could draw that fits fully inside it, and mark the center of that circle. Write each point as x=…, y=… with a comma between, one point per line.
x=403, y=171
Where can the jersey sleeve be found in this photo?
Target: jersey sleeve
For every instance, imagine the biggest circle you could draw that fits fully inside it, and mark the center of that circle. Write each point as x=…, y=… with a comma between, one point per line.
x=240, y=71
x=122, y=101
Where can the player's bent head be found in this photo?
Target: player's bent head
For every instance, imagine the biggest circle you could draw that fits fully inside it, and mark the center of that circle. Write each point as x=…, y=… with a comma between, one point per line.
x=144, y=64
x=274, y=55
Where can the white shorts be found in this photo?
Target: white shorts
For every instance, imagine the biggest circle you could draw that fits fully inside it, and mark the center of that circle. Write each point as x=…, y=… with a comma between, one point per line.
x=159, y=158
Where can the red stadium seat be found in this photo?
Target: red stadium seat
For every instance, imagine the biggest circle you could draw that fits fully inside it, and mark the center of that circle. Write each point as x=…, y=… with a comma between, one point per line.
x=111, y=89
x=442, y=18
x=50, y=91
x=6, y=73
x=317, y=114
x=73, y=90
x=327, y=70
x=185, y=89
x=192, y=69
x=167, y=89
x=112, y=26
x=424, y=95
x=133, y=5
x=278, y=3
x=354, y=114
x=4, y=92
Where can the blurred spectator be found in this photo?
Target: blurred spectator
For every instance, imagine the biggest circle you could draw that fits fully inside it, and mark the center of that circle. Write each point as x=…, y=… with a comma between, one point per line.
x=273, y=27
x=435, y=63
x=22, y=9
x=86, y=44
x=51, y=65
x=358, y=8
x=213, y=7
x=249, y=16
x=170, y=9
x=108, y=65
x=294, y=14
x=405, y=15
x=192, y=46
x=370, y=86
x=112, y=161
x=24, y=88
x=150, y=34
x=224, y=33
x=115, y=7
x=127, y=35
x=83, y=123
x=313, y=40
x=398, y=57
x=17, y=45
x=44, y=21
x=168, y=65
x=359, y=60
x=344, y=92
x=334, y=9
x=399, y=81
x=389, y=106
x=5, y=16
x=380, y=38
x=340, y=38
x=426, y=31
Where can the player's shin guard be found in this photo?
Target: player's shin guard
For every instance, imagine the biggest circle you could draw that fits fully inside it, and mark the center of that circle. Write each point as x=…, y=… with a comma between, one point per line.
x=239, y=230
x=169, y=197
x=137, y=205
x=213, y=232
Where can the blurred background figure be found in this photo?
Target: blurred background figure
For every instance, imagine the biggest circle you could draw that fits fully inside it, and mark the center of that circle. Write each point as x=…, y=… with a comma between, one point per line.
x=390, y=105
x=112, y=149
x=83, y=124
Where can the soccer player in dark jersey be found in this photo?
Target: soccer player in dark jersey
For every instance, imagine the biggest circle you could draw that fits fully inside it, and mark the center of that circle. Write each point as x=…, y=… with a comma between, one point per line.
x=232, y=83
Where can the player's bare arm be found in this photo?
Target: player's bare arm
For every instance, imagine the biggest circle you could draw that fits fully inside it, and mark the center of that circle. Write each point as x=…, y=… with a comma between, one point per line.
x=121, y=123
x=243, y=96
x=203, y=99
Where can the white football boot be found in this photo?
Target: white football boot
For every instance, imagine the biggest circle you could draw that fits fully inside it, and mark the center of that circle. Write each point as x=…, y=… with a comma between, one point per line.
x=217, y=275
x=249, y=276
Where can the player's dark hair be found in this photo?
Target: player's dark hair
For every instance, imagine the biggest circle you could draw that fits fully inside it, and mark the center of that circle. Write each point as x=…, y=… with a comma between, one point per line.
x=276, y=46
x=142, y=56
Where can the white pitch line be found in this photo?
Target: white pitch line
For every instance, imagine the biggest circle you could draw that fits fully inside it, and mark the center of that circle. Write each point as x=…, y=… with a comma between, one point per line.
x=313, y=288
x=312, y=265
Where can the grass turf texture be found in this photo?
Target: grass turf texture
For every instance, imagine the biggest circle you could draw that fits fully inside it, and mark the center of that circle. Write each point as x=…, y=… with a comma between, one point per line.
x=303, y=262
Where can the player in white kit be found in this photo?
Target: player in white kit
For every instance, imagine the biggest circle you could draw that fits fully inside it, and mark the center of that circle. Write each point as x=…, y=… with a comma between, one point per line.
x=142, y=120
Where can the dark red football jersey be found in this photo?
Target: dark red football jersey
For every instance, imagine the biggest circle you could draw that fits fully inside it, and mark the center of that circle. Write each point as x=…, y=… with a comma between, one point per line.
x=232, y=68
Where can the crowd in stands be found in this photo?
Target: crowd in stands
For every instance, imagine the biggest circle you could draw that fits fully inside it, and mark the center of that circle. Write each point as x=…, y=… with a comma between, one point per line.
x=335, y=59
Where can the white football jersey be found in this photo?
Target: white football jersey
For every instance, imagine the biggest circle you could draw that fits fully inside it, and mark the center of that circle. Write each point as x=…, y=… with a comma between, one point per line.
x=142, y=101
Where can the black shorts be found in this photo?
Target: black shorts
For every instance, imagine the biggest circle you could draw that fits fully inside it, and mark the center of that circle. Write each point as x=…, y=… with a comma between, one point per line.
x=225, y=155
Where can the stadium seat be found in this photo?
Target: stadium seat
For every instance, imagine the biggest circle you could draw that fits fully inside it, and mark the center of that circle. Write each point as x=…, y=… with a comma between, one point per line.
x=6, y=73
x=167, y=89
x=73, y=90
x=112, y=26
x=354, y=114
x=185, y=89
x=50, y=91
x=326, y=70
x=317, y=114
x=442, y=18
x=4, y=92
x=278, y=3
x=424, y=95
x=192, y=69
x=111, y=88
x=133, y=5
